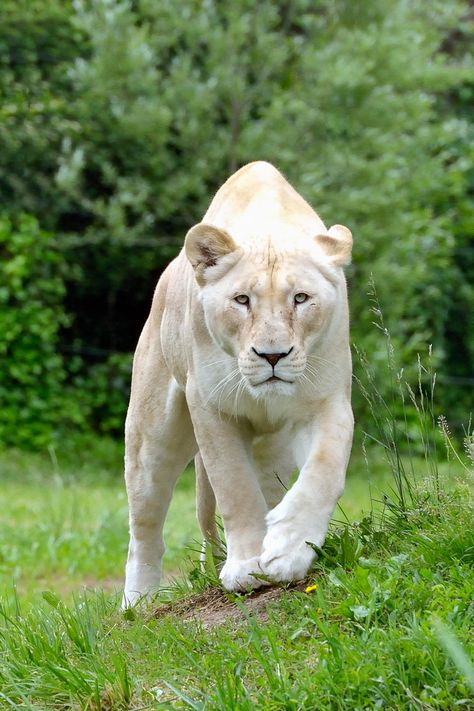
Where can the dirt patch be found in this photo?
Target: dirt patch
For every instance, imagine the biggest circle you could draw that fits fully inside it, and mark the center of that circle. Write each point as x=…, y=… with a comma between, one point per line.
x=214, y=606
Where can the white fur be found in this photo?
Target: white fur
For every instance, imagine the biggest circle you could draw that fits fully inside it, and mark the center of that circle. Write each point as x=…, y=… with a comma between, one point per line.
x=200, y=385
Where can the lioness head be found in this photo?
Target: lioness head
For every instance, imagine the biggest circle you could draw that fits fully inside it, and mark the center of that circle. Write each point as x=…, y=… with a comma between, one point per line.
x=270, y=305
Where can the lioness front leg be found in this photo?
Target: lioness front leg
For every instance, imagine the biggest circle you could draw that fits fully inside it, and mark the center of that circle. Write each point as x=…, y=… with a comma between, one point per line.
x=225, y=449
x=304, y=513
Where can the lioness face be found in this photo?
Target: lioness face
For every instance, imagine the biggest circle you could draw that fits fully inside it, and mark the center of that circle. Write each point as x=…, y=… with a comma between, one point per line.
x=269, y=310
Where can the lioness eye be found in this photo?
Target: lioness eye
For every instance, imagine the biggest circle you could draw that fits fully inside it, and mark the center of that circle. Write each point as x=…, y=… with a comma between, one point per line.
x=242, y=299
x=301, y=298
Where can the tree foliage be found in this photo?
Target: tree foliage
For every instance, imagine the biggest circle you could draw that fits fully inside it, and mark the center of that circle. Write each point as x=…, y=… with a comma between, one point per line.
x=38, y=46
x=121, y=119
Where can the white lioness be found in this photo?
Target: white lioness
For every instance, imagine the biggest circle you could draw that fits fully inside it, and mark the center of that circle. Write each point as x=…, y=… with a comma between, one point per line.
x=244, y=364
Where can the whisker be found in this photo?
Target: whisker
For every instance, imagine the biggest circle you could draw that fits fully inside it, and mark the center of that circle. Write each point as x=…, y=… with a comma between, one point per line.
x=218, y=362
x=322, y=377
x=323, y=361
x=239, y=387
x=222, y=383
x=234, y=386
x=312, y=370
x=239, y=393
x=305, y=377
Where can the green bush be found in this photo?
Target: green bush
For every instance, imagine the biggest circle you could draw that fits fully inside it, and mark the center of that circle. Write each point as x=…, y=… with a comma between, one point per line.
x=102, y=392
x=32, y=372
x=41, y=393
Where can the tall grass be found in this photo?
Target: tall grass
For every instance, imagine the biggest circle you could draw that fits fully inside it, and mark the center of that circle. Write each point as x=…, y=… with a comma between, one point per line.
x=405, y=424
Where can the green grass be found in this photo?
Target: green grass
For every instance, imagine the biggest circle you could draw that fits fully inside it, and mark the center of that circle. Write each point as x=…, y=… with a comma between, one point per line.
x=63, y=521
x=389, y=624
x=366, y=637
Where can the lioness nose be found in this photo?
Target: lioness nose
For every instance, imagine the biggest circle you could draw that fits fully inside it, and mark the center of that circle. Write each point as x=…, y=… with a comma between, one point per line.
x=272, y=358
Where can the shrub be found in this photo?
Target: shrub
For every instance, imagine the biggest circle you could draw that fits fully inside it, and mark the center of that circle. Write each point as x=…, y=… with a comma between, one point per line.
x=31, y=314
x=102, y=392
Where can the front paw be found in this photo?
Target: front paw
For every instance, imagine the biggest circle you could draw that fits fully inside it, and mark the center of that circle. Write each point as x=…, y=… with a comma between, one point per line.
x=240, y=575
x=286, y=555
x=282, y=563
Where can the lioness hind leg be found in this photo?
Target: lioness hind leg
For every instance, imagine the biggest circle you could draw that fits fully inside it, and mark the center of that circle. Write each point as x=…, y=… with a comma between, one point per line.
x=206, y=512
x=159, y=445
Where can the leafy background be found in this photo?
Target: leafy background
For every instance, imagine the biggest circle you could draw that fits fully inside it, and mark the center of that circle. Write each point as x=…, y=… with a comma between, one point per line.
x=118, y=121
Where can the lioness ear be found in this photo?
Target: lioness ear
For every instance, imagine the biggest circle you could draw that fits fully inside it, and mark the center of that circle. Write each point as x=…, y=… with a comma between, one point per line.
x=337, y=244
x=205, y=245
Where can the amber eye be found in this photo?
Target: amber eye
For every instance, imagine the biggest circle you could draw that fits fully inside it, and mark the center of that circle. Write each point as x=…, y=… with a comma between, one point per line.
x=242, y=299
x=301, y=298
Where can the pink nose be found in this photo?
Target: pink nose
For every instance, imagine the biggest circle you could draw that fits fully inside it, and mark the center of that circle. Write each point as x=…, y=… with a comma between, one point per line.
x=272, y=358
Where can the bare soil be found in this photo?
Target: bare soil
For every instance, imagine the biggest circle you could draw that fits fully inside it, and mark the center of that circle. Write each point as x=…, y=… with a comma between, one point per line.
x=214, y=606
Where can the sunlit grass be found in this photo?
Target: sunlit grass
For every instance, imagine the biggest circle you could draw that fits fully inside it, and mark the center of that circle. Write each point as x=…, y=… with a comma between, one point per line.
x=63, y=522
x=365, y=635
x=64, y=528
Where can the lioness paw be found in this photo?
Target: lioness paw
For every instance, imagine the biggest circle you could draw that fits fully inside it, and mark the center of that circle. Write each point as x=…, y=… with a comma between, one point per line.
x=142, y=582
x=241, y=575
x=282, y=565
x=286, y=556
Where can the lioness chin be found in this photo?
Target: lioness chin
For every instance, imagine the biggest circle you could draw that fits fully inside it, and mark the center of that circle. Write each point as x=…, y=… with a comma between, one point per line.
x=244, y=364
